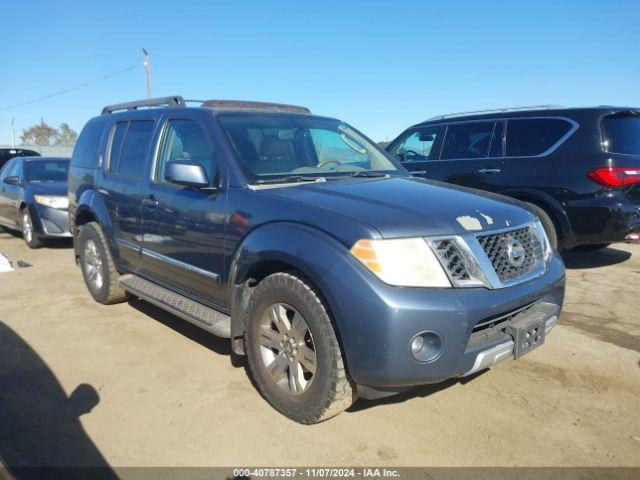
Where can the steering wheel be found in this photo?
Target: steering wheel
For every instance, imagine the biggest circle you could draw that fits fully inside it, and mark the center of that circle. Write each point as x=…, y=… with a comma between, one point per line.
x=413, y=152
x=327, y=162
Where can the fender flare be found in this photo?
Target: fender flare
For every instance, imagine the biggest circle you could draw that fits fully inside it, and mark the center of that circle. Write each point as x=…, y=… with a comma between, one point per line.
x=91, y=202
x=310, y=251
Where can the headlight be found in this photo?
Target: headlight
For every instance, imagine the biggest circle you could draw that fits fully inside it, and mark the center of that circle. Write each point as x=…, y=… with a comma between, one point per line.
x=405, y=262
x=542, y=236
x=57, y=202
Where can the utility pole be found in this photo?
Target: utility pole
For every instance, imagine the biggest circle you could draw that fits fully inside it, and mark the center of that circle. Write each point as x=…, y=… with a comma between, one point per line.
x=13, y=135
x=147, y=67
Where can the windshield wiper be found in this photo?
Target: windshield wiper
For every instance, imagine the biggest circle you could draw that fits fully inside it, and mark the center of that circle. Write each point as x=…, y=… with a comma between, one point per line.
x=291, y=179
x=369, y=174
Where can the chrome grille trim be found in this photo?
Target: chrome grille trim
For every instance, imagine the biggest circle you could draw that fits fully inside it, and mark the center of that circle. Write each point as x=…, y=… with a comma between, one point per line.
x=478, y=259
x=495, y=246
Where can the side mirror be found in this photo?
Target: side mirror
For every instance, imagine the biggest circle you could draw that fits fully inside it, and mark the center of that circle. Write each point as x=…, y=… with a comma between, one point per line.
x=12, y=180
x=186, y=173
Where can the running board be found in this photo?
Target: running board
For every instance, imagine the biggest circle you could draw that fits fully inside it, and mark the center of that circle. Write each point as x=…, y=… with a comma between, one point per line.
x=204, y=317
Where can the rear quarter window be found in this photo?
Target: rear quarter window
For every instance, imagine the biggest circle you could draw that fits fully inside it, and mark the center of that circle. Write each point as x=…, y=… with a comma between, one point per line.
x=621, y=133
x=85, y=153
x=534, y=136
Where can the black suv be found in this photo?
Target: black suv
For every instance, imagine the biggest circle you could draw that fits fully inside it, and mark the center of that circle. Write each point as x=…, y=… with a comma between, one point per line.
x=578, y=168
x=301, y=241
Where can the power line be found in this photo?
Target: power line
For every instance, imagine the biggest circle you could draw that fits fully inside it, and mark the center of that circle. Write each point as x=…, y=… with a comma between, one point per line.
x=67, y=90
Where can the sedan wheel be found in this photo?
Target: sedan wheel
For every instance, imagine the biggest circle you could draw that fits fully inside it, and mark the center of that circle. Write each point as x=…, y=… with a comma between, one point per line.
x=27, y=227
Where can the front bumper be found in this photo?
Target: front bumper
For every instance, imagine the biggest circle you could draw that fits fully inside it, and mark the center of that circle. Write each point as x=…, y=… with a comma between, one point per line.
x=52, y=223
x=377, y=322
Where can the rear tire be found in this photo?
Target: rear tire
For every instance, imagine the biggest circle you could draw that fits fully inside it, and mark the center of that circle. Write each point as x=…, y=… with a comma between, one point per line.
x=28, y=230
x=549, y=227
x=98, y=268
x=591, y=248
x=293, y=352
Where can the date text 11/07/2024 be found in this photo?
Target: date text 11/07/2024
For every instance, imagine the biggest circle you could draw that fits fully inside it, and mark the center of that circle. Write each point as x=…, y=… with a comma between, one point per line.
x=315, y=472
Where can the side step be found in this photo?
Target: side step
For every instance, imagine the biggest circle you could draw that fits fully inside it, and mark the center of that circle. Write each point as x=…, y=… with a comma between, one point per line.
x=204, y=317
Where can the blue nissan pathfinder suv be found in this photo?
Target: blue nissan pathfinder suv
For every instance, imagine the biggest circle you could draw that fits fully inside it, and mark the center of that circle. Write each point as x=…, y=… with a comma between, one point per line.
x=336, y=273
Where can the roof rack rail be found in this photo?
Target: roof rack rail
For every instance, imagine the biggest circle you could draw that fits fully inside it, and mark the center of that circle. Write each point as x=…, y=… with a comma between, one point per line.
x=495, y=110
x=278, y=107
x=173, y=101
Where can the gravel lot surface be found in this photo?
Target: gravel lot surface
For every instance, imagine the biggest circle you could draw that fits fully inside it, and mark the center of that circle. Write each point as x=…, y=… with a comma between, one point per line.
x=130, y=385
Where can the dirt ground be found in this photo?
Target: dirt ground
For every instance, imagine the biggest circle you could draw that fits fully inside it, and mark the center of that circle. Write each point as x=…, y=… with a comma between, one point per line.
x=130, y=385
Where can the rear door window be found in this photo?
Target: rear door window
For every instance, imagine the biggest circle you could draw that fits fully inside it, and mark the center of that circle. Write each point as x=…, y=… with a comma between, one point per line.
x=419, y=145
x=129, y=147
x=85, y=153
x=534, y=136
x=621, y=133
x=467, y=140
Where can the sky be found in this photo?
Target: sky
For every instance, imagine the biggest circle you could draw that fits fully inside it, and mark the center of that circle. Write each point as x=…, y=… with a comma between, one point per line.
x=380, y=66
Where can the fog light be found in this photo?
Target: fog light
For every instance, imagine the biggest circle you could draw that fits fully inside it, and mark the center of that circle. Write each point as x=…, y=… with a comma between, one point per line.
x=426, y=346
x=417, y=345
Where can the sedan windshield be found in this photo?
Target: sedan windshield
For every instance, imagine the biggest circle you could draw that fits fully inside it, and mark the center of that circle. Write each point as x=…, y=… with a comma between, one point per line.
x=291, y=148
x=47, y=170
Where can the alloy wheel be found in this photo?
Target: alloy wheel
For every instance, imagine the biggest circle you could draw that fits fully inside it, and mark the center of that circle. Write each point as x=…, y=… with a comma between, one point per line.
x=287, y=349
x=93, y=264
x=27, y=227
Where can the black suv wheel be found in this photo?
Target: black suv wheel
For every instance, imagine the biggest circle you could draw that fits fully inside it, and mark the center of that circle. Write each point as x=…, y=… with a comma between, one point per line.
x=293, y=351
x=98, y=268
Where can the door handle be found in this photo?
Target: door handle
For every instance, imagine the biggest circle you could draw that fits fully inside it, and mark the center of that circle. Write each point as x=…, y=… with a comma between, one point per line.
x=150, y=202
x=489, y=170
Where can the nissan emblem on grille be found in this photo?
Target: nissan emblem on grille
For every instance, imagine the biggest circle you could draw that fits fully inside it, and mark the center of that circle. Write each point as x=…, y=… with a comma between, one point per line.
x=515, y=252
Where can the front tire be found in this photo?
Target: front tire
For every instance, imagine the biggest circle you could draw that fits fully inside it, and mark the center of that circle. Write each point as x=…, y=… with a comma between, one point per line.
x=28, y=231
x=293, y=352
x=98, y=268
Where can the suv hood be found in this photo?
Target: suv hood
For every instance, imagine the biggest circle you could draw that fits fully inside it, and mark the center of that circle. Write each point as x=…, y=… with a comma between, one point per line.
x=404, y=206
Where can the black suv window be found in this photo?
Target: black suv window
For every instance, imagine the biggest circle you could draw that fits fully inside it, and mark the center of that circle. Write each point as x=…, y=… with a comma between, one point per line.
x=496, y=141
x=621, y=133
x=85, y=153
x=467, y=140
x=129, y=147
x=185, y=140
x=534, y=136
x=418, y=145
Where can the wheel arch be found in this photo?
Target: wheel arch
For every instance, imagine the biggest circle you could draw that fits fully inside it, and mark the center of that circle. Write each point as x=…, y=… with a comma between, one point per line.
x=281, y=247
x=91, y=208
x=551, y=206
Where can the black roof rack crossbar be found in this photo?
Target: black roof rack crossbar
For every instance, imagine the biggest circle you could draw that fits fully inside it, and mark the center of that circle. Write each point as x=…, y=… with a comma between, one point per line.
x=241, y=104
x=173, y=101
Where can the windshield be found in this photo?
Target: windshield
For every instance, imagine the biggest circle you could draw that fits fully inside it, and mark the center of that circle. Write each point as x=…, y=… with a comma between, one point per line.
x=47, y=171
x=271, y=147
x=621, y=133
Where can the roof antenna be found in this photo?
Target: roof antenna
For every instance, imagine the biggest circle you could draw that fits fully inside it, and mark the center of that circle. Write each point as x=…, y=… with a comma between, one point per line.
x=147, y=67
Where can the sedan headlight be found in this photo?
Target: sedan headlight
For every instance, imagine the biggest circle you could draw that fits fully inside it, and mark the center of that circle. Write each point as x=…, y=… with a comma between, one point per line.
x=57, y=202
x=405, y=262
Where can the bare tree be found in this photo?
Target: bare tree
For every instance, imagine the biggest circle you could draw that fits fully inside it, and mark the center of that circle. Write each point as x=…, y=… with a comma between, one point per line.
x=40, y=134
x=66, y=136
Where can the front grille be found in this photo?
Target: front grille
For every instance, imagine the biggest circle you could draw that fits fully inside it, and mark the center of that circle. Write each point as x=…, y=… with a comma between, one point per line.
x=508, y=267
x=451, y=259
